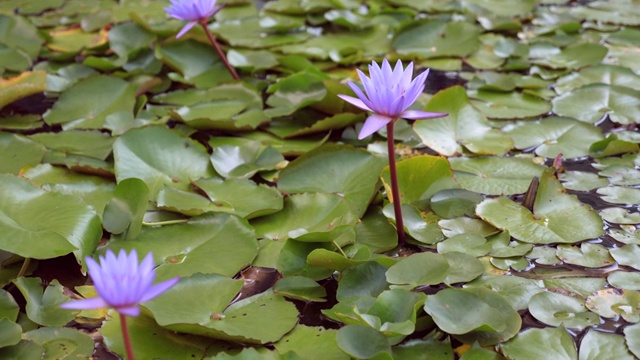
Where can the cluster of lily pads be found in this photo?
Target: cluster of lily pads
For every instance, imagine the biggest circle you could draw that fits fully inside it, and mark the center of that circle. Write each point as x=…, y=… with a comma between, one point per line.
x=259, y=195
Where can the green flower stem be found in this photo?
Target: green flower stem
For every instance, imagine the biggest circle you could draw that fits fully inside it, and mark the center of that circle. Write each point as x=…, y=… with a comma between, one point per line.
x=126, y=337
x=395, y=193
x=216, y=46
x=168, y=222
x=339, y=249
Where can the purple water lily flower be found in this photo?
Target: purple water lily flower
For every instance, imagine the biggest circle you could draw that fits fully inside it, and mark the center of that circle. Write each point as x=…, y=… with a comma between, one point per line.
x=121, y=283
x=388, y=94
x=193, y=11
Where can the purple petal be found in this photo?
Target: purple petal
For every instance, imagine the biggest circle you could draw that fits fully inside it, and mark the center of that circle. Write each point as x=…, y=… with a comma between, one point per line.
x=418, y=115
x=129, y=310
x=85, y=304
x=158, y=289
x=373, y=123
x=186, y=28
x=362, y=96
x=355, y=102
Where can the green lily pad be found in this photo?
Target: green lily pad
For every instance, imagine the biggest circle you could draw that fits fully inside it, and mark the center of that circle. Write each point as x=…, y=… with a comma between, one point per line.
x=309, y=217
x=610, y=303
x=258, y=319
x=620, y=195
x=419, y=269
x=621, y=175
x=581, y=180
x=557, y=217
x=470, y=244
x=126, y=209
x=599, y=345
x=437, y=38
x=244, y=161
x=21, y=86
x=556, y=310
x=61, y=343
x=19, y=152
x=348, y=172
x=252, y=60
x=516, y=290
x=419, y=178
x=613, y=145
x=541, y=344
x=90, y=143
x=511, y=105
x=62, y=224
x=295, y=92
x=631, y=339
x=579, y=287
x=362, y=280
x=87, y=104
x=244, y=197
x=494, y=175
x=502, y=246
x=628, y=234
x=574, y=56
x=153, y=341
x=363, y=342
x=474, y=314
x=599, y=74
x=210, y=243
x=627, y=255
x=160, y=157
x=462, y=268
x=592, y=102
x=463, y=127
x=624, y=280
x=300, y=288
x=43, y=307
x=11, y=333
x=618, y=215
x=309, y=341
x=466, y=225
x=421, y=226
x=197, y=63
x=415, y=349
x=588, y=255
x=555, y=135
x=544, y=255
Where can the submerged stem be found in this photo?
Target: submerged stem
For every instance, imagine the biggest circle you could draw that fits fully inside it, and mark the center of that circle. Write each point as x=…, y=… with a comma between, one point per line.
x=125, y=337
x=216, y=46
x=339, y=249
x=395, y=193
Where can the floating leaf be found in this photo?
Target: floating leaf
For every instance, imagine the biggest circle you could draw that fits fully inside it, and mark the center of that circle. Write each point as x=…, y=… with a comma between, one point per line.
x=610, y=303
x=60, y=343
x=61, y=225
x=474, y=314
x=419, y=269
x=309, y=341
x=126, y=209
x=160, y=157
x=588, y=255
x=556, y=310
x=541, y=344
x=363, y=342
x=244, y=161
x=624, y=280
x=19, y=152
x=599, y=345
x=495, y=176
x=556, y=217
x=21, y=86
x=592, y=102
x=627, y=255
x=43, y=307
x=348, y=172
x=437, y=38
x=87, y=104
x=555, y=135
x=463, y=127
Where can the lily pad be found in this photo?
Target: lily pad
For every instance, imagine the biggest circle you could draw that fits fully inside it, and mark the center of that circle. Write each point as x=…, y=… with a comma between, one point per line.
x=309, y=217
x=556, y=310
x=19, y=152
x=419, y=269
x=627, y=255
x=474, y=314
x=437, y=38
x=598, y=345
x=63, y=223
x=540, y=344
x=588, y=255
x=624, y=280
x=43, y=306
x=610, y=303
x=511, y=105
x=160, y=157
x=494, y=175
x=87, y=104
x=592, y=102
x=555, y=135
x=309, y=341
x=347, y=172
x=241, y=162
x=463, y=127
x=556, y=217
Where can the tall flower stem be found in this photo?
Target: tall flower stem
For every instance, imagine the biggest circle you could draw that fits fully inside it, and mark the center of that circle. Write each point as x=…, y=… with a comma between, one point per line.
x=126, y=337
x=395, y=193
x=216, y=46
